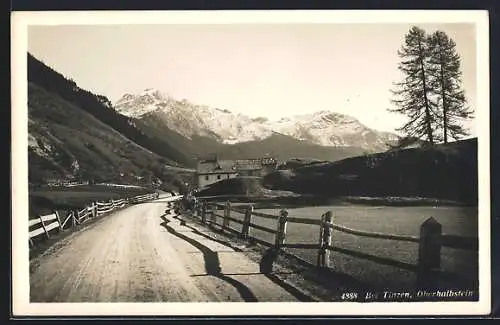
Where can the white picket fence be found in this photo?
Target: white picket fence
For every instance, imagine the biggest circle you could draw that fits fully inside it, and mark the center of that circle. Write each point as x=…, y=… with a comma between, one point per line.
x=47, y=224
x=57, y=183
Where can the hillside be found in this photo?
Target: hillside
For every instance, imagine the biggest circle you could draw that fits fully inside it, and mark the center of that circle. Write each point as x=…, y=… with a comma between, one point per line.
x=66, y=141
x=248, y=186
x=442, y=171
x=244, y=187
x=101, y=108
x=285, y=147
x=192, y=148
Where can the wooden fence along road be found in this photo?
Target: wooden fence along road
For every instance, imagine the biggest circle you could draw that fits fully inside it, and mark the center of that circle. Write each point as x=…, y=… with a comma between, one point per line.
x=149, y=239
x=143, y=254
x=45, y=225
x=430, y=241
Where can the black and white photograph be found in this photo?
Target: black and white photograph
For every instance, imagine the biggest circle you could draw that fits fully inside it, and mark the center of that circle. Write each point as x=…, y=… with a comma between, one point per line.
x=329, y=163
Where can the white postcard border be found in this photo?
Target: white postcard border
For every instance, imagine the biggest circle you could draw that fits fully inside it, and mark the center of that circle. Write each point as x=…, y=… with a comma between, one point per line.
x=20, y=257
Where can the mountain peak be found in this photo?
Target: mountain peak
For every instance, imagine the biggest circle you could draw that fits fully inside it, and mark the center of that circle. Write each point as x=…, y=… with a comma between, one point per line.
x=323, y=112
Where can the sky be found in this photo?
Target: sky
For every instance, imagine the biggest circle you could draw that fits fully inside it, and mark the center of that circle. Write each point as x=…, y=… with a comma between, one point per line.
x=270, y=70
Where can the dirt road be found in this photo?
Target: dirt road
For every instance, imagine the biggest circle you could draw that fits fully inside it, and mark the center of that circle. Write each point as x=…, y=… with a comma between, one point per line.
x=141, y=254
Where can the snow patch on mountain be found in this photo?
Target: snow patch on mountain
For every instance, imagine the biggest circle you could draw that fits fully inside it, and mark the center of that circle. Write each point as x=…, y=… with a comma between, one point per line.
x=328, y=128
x=189, y=119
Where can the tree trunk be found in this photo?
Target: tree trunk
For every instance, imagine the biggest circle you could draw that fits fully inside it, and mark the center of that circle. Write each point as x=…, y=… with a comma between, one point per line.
x=443, y=95
x=426, y=101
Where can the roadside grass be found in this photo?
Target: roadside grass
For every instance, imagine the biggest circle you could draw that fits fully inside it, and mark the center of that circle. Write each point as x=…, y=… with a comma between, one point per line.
x=63, y=199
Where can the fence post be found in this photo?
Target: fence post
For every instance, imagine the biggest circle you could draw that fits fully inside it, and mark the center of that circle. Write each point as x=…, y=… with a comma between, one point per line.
x=326, y=239
x=281, y=231
x=199, y=209
x=74, y=215
x=94, y=209
x=320, y=260
x=79, y=218
x=58, y=220
x=247, y=219
x=227, y=214
x=429, y=252
x=168, y=209
x=203, y=212
x=213, y=218
x=43, y=226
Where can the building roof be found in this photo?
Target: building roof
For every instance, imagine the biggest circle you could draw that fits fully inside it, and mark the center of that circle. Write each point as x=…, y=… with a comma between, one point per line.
x=218, y=172
x=248, y=166
x=216, y=166
x=268, y=161
x=231, y=166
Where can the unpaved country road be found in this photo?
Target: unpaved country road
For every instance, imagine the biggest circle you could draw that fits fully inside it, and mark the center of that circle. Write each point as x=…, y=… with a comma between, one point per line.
x=139, y=254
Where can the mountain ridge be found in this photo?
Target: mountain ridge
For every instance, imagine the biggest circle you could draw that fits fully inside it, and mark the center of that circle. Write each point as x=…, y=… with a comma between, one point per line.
x=323, y=127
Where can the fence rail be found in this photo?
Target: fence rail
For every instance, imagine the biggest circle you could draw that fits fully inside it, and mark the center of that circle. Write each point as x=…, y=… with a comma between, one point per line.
x=47, y=224
x=430, y=240
x=362, y=233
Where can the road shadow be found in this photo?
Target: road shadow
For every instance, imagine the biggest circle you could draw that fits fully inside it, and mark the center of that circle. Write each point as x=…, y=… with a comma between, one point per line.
x=197, y=232
x=265, y=265
x=266, y=268
x=334, y=281
x=212, y=263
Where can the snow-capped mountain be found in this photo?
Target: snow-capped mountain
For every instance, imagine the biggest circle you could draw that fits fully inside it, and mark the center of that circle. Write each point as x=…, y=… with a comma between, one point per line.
x=332, y=129
x=189, y=119
x=323, y=128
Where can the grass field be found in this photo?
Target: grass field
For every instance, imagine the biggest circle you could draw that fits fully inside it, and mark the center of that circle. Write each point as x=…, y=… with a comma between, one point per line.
x=44, y=201
x=394, y=220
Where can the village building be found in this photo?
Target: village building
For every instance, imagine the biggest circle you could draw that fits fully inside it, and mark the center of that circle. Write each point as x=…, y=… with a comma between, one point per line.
x=248, y=167
x=213, y=170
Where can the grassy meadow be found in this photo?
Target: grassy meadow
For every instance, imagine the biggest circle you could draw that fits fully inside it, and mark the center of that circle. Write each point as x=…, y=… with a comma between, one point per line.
x=455, y=220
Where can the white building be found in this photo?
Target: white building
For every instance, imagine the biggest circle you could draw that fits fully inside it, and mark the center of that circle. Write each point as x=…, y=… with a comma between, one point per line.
x=213, y=170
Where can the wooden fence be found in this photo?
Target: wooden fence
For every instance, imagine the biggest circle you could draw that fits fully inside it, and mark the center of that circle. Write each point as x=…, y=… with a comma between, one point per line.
x=430, y=240
x=44, y=226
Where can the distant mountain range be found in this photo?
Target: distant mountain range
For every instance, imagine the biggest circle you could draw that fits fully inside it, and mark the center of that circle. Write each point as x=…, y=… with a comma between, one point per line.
x=322, y=128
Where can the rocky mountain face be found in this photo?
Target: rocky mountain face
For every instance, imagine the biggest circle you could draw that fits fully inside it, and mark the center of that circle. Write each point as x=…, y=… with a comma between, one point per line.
x=322, y=128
